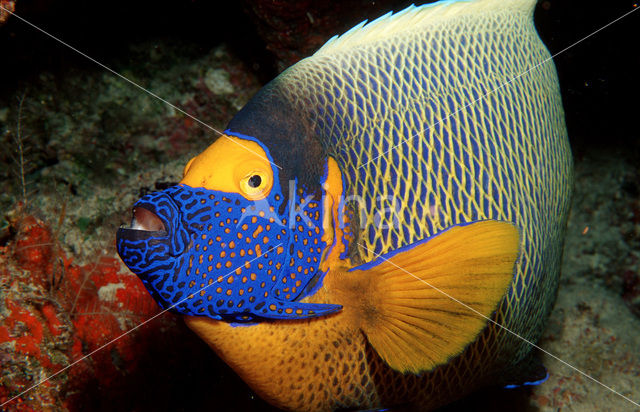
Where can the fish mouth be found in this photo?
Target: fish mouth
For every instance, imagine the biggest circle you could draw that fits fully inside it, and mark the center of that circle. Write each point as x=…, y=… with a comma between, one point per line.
x=145, y=224
x=155, y=220
x=146, y=220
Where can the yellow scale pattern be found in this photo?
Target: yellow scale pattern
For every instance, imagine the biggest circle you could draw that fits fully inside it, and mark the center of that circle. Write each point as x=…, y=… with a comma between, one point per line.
x=400, y=117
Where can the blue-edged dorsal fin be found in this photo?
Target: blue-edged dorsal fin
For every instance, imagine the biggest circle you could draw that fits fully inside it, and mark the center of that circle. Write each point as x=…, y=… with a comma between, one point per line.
x=413, y=18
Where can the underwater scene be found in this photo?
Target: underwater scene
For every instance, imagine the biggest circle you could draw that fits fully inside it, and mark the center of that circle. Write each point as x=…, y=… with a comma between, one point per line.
x=272, y=205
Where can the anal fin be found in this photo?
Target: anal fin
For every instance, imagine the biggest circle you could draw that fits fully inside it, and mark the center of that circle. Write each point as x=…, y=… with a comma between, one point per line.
x=528, y=372
x=427, y=302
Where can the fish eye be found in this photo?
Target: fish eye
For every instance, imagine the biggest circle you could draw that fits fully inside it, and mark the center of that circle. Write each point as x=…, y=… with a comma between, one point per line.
x=255, y=184
x=254, y=181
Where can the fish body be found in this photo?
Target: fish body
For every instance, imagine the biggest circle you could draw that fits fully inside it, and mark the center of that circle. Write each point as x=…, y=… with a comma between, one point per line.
x=382, y=224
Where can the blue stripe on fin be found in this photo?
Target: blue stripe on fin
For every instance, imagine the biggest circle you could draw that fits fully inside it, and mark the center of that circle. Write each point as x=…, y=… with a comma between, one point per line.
x=534, y=383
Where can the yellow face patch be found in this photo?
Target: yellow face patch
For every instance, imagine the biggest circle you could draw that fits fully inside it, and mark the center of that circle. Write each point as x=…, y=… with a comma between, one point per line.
x=231, y=165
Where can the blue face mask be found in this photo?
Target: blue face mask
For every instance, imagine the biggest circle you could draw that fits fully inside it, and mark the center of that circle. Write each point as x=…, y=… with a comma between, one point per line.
x=217, y=254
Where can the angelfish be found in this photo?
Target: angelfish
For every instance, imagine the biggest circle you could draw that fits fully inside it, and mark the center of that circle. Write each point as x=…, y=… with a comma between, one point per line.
x=382, y=224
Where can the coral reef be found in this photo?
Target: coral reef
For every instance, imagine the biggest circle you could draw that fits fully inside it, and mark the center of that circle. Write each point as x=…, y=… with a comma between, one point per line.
x=55, y=312
x=89, y=336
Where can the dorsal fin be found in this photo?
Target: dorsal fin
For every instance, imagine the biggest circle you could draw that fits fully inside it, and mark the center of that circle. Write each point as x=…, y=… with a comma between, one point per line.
x=414, y=17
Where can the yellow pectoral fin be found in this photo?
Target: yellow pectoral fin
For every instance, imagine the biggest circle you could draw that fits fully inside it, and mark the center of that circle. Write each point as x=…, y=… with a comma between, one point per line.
x=427, y=303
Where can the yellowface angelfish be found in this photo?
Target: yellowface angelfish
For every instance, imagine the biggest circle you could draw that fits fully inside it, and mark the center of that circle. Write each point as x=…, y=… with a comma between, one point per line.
x=376, y=222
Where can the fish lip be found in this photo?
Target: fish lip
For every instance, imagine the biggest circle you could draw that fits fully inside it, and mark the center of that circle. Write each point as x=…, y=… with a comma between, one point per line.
x=145, y=223
x=146, y=220
x=167, y=226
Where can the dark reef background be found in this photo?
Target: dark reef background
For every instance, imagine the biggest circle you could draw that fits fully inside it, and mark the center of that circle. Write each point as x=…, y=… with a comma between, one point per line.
x=92, y=143
x=597, y=76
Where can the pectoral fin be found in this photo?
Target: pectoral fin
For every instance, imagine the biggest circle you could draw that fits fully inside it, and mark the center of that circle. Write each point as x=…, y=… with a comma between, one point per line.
x=429, y=301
